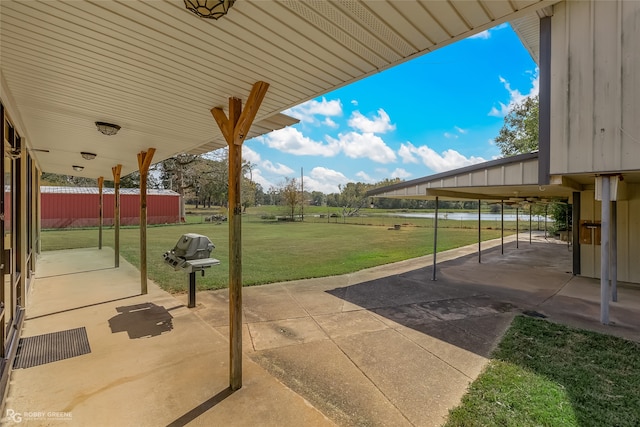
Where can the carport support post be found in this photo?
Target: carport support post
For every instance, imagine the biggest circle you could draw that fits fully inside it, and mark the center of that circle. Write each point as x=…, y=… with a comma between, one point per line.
x=101, y=212
x=502, y=227
x=144, y=161
x=435, y=240
x=576, y=232
x=614, y=251
x=116, y=211
x=530, y=224
x=604, y=250
x=479, y=234
x=235, y=129
x=517, y=227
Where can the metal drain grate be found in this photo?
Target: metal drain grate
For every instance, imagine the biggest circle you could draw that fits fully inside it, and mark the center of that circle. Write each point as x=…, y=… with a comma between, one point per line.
x=47, y=348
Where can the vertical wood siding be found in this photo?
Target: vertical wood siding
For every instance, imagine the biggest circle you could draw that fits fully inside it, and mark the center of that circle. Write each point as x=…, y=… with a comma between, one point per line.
x=595, y=88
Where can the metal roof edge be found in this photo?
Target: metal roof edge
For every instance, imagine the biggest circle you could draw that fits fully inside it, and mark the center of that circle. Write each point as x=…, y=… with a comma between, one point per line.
x=471, y=168
x=59, y=189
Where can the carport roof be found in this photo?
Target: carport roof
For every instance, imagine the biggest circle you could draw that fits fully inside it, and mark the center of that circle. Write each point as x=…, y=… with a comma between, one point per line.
x=156, y=69
x=514, y=178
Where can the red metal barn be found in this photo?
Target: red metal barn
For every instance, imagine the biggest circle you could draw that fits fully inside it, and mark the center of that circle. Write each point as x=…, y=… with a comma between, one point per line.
x=70, y=207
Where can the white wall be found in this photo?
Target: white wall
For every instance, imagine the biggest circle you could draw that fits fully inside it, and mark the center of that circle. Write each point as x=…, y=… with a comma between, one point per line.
x=628, y=235
x=595, y=86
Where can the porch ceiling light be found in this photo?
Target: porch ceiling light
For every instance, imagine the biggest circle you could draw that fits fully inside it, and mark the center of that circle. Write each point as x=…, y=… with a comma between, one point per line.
x=107, y=128
x=213, y=9
x=77, y=168
x=88, y=156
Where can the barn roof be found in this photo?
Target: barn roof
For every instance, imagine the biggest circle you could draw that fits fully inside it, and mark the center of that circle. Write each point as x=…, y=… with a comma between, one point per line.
x=51, y=189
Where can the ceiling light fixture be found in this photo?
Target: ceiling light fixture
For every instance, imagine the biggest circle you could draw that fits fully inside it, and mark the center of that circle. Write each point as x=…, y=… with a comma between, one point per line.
x=213, y=9
x=107, y=128
x=77, y=168
x=88, y=156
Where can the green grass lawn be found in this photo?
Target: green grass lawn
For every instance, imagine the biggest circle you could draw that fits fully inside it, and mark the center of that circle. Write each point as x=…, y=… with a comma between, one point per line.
x=544, y=374
x=274, y=251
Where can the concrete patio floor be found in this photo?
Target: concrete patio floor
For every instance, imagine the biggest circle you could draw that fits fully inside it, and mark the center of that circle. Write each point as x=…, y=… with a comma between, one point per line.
x=383, y=346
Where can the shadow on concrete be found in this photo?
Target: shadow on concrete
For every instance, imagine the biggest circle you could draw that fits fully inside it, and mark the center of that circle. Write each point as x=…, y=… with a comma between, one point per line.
x=91, y=270
x=470, y=305
x=141, y=320
x=201, y=409
x=83, y=306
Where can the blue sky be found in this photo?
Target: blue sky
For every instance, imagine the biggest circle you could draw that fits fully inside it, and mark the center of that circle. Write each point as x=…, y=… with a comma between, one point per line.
x=435, y=113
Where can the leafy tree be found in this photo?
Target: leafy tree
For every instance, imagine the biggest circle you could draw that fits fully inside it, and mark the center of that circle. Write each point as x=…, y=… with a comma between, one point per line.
x=317, y=198
x=519, y=133
x=67, y=180
x=291, y=197
x=261, y=196
x=562, y=216
x=353, y=197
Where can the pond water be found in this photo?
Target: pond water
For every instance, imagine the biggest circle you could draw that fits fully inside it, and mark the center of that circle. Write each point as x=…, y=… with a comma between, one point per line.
x=469, y=216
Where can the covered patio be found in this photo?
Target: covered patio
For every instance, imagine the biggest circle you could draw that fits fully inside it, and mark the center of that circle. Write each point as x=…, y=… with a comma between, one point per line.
x=102, y=90
x=381, y=346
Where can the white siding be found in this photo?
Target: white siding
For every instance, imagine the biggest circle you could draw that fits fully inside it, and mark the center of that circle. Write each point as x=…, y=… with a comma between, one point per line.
x=628, y=233
x=595, y=88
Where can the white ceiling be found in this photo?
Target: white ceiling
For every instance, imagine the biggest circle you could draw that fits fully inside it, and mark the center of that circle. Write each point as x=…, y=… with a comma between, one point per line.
x=156, y=69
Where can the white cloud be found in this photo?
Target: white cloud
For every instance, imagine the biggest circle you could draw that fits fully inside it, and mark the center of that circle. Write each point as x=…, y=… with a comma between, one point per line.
x=363, y=145
x=450, y=135
x=379, y=124
x=307, y=111
x=400, y=173
x=515, y=97
x=448, y=160
x=406, y=154
x=264, y=182
x=481, y=35
x=250, y=155
x=365, y=177
x=354, y=102
x=324, y=180
x=486, y=34
x=460, y=130
x=291, y=140
x=278, y=169
x=330, y=123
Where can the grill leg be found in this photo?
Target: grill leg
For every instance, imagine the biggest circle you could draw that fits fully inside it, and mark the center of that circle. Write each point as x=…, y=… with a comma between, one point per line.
x=192, y=290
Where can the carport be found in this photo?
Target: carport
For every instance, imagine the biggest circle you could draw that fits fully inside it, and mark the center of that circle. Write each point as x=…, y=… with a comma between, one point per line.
x=514, y=180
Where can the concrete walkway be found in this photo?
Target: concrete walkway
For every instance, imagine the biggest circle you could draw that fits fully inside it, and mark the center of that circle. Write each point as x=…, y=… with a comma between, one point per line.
x=383, y=346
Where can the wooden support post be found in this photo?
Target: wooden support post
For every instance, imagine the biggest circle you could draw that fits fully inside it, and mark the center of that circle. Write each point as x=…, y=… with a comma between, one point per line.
x=101, y=211
x=144, y=161
x=234, y=129
x=116, y=211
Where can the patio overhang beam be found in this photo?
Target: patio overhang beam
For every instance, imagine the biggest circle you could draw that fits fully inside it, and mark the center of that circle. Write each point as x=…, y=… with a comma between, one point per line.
x=566, y=182
x=457, y=195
